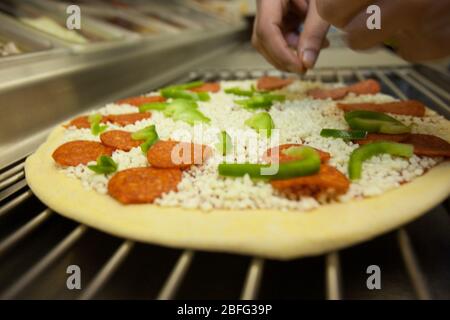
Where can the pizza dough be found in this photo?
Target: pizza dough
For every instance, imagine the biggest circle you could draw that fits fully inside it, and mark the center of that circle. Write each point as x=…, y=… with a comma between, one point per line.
x=266, y=233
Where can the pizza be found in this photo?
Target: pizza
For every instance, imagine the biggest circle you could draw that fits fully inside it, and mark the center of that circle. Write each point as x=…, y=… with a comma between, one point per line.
x=273, y=167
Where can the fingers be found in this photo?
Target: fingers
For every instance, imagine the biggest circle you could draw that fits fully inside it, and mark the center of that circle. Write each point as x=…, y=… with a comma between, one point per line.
x=256, y=43
x=431, y=40
x=416, y=47
x=360, y=37
x=267, y=56
x=312, y=38
x=412, y=48
x=418, y=28
x=292, y=39
x=269, y=39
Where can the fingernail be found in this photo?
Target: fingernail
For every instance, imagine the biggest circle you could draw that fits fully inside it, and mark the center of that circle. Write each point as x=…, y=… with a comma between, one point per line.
x=309, y=58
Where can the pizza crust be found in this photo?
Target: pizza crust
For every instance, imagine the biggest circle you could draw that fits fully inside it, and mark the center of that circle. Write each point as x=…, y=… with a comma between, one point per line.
x=266, y=233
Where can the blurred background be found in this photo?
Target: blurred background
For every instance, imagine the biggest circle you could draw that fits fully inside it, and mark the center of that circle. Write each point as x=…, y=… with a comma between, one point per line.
x=49, y=74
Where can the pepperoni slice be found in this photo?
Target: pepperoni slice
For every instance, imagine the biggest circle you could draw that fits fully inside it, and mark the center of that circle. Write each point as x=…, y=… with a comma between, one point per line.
x=80, y=152
x=368, y=86
x=428, y=145
x=82, y=122
x=407, y=107
x=138, y=101
x=272, y=83
x=175, y=154
x=207, y=87
x=364, y=87
x=334, y=94
x=118, y=139
x=128, y=118
x=143, y=185
x=372, y=137
x=328, y=180
x=276, y=153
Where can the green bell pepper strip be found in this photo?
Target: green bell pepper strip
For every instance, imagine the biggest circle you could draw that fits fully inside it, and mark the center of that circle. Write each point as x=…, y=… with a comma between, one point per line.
x=260, y=101
x=369, y=150
x=95, y=118
x=309, y=164
x=148, y=134
x=261, y=121
x=105, y=165
x=255, y=103
x=343, y=134
x=225, y=145
x=182, y=94
x=184, y=110
x=179, y=105
x=191, y=116
x=294, y=151
x=371, y=121
x=240, y=92
x=274, y=97
x=149, y=143
x=203, y=96
x=187, y=86
x=144, y=134
x=158, y=106
x=96, y=127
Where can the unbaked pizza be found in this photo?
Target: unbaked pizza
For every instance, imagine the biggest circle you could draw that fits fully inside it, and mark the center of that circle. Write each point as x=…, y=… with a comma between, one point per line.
x=312, y=166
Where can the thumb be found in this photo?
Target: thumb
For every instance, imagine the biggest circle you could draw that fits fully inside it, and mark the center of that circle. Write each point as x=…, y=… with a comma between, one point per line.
x=312, y=38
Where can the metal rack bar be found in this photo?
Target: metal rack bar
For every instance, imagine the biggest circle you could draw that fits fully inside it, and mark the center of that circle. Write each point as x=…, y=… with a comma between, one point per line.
x=412, y=266
x=275, y=73
x=45, y=262
x=333, y=276
x=13, y=239
x=339, y=76
x=429, y=84
x=424, y=90
x=12, y=179
x=5, y=193
x=15, y=202
x=255, y=74
x=316, y=76
x=108, y=270
x=242, y=74
x=175, y=278
x=253, y=279
x=359, y=75
x=391, y=85
x=12, y=171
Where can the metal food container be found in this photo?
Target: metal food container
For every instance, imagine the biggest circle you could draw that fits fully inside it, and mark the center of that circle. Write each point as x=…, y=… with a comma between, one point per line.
x=170, y=14
x=50, y=21
x=205, y=18
x=30, y=46
x=131, y=21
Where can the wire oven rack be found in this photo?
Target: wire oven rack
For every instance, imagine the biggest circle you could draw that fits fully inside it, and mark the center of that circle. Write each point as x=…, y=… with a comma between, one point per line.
x=25, y=225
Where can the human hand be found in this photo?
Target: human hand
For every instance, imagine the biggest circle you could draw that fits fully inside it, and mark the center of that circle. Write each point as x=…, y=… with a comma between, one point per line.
x=419, y=29
x=275, y=33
